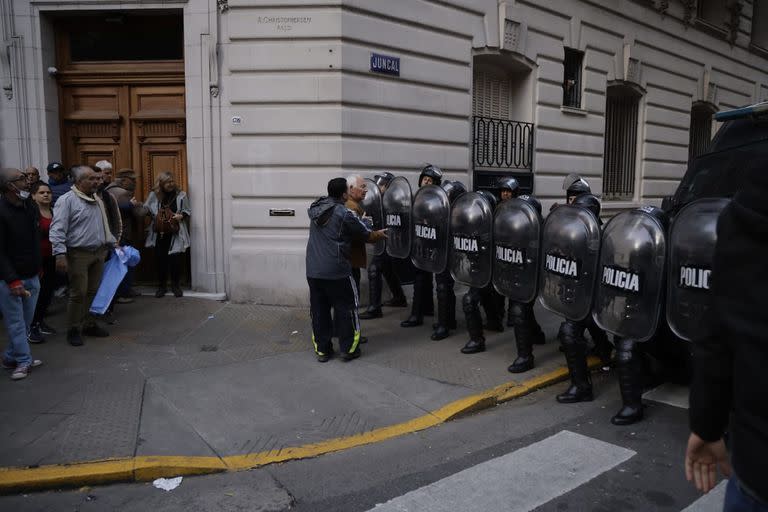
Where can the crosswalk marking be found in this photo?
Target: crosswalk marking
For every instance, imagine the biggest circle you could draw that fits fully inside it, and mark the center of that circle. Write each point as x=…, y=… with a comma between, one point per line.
x=670, y=394
x=519, y=481
x=711, y=502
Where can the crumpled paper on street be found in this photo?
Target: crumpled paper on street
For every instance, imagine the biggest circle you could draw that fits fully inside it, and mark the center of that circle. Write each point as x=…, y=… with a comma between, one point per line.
x=168, y=484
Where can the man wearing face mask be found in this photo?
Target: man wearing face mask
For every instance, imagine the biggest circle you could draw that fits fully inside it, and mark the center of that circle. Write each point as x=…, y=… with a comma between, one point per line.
x=20, y=262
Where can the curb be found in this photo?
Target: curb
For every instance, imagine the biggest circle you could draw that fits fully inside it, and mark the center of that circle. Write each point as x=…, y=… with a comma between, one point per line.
x=148, y=468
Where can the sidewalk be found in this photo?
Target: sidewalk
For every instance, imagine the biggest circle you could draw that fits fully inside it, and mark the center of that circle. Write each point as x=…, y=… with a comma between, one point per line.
x=190, y=377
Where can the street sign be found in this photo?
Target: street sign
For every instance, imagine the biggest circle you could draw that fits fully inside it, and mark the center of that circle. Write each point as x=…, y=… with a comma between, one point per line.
x=385, y=64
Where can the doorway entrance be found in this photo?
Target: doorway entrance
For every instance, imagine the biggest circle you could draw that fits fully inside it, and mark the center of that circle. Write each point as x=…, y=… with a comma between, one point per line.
x=121, y=98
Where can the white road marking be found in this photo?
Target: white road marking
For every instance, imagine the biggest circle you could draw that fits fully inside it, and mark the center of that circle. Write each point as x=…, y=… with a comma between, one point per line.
x=711, y=502
x=519, y=481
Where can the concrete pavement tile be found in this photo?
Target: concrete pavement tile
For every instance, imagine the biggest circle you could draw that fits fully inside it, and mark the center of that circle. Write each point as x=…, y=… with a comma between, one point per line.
x=163, y=431
x=287, y=400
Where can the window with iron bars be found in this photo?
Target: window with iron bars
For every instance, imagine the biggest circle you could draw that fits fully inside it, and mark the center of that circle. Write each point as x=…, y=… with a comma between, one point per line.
x=621, y=128
x=572, y=64
x=701, y=129
x=760, y=24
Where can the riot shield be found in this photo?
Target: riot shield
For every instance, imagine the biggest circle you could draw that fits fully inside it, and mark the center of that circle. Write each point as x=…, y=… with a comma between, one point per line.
x=692, y=239
x=431, y=222
x=517, y=241
x=397, y=217
x=470, y=257
x=372, y=207
x=569, y=255
x=631, y=274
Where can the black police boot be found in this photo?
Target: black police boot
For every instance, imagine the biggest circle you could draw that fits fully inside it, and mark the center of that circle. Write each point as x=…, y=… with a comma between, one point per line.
x=630, y=385
x=445, y=297
x=511, y=313
x=476, y=341
x=396, y=302
x=370, y=313
x=524, y=361
x=580, y=389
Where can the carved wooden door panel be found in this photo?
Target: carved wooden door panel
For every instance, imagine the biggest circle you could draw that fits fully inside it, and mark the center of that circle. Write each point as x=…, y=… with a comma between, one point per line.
x=93, y=125
x=159, y=133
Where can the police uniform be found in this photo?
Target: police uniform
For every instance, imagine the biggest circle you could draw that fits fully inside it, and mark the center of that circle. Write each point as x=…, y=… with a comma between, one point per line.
x=381, y=266
x=422, y=304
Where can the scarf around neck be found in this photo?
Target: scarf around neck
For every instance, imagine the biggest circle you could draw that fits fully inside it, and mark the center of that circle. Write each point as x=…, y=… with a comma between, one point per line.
x=104, y=219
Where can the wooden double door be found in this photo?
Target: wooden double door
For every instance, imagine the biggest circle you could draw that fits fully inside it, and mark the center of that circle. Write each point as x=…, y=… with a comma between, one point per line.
x=141, y=127
x=136, y=126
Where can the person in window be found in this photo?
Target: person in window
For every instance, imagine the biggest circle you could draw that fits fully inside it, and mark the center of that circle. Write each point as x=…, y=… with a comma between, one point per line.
x=168, y=207
x=41, y=194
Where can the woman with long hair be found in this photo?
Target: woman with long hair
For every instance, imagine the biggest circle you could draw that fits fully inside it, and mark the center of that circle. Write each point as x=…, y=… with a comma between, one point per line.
x=168, y=207
x=41, y=194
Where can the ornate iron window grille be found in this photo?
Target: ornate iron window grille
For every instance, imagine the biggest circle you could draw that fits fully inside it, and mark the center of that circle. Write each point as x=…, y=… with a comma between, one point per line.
x=501, y=143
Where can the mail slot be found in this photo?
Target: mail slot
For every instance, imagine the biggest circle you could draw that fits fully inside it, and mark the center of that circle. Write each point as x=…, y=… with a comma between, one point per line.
x=282, y=212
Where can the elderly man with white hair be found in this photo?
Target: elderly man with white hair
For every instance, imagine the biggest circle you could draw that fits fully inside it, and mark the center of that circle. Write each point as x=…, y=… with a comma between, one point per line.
x=81, y=236
x=356, y=191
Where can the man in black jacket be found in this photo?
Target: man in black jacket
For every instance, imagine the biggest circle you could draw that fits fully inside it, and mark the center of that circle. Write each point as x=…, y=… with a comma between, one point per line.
x=729, y=377
x=329, y=272
x=20, y=262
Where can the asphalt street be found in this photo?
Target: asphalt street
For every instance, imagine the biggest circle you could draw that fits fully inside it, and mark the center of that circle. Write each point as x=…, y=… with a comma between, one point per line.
x=528, y=454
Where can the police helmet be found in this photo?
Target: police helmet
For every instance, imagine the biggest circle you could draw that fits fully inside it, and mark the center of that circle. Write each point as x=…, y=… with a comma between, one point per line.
x=588, y=201
x=657, y=213
x=453, y=188
x=383, y=180
x=490, y=197
x=574, y=185
x=532, y=200
x=433, y=172
x=508, y=183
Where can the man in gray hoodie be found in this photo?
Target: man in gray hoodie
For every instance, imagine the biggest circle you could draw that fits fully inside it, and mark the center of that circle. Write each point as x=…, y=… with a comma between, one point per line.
x=329, y=272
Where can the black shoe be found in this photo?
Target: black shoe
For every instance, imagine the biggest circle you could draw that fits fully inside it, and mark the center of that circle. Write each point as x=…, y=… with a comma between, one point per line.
x=323, y=358
x=494, y=326
x=45, y=328
x=160, y=292
x=628, y=415
x=473, y=347
x=109, y=317
x=575, y=394
x=35, y=335
x=177, y=291
x=369, y=314
x=74, y=338
x=440, y=333
x=521, y=364
x=363, y=339
x=95, y=331
x=412, y=321
x=348, y=356
x=396, y=302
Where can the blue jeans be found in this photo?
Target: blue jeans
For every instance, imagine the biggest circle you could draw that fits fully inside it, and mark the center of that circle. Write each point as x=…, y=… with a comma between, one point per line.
x=17, y=317
x=736, y=500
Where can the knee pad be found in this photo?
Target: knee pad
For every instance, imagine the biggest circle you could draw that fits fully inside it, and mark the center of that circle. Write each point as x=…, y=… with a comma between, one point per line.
x=469, y=303
x=625, y=351
x=517, y=313
x=571, y=333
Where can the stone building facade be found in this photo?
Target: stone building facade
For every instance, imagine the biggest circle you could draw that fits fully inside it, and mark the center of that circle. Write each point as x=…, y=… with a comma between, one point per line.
x=257, y=104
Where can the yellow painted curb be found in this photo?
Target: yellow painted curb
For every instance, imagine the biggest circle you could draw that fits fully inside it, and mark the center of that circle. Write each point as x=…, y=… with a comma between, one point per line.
x=145, y=468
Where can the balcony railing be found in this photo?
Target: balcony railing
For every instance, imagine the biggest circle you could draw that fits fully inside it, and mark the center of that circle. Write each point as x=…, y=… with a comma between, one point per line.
x=501, y=144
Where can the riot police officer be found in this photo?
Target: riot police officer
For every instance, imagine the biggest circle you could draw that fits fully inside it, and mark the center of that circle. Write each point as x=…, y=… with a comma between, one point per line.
x=422, y=303
x=520, y=314
x=446, y=298
x=382, y=266
x=489, y=299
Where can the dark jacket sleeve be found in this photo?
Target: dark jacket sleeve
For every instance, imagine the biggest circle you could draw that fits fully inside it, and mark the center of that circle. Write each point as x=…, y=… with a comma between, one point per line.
x=739, y=313
x=354, y=227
